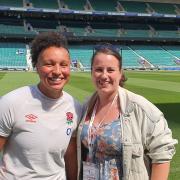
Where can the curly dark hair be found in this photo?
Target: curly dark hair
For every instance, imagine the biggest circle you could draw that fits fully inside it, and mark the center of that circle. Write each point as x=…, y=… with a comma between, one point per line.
x=45, y=40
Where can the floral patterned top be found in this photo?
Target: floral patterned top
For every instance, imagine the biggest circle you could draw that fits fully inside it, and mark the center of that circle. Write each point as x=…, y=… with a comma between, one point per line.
x=106, y=149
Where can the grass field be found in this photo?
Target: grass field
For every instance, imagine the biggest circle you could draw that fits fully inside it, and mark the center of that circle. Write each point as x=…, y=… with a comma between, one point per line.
x=162, y=88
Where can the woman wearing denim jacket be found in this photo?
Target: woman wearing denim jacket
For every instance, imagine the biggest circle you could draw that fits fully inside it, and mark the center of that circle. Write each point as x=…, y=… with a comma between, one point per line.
x=122, y=135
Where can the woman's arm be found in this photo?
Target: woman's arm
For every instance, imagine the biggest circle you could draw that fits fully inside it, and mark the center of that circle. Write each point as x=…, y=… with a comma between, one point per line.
x=160, y=171
x=71, y=160
x=160, y=148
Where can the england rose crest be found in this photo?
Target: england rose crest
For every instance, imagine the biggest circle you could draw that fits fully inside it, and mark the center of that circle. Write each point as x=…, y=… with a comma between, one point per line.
x=69, y=117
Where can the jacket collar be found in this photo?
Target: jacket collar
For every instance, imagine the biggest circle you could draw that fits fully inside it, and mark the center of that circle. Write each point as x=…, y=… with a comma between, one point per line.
x=125, y=103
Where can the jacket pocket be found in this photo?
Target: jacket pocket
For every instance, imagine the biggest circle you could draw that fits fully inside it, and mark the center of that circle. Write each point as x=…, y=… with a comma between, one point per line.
x=137, y=162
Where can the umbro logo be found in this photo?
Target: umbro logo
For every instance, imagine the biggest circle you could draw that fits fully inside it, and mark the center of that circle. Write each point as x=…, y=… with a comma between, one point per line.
x=31, y=118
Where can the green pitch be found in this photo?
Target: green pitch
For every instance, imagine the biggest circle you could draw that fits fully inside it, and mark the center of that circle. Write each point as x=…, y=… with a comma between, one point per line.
x=162, y=88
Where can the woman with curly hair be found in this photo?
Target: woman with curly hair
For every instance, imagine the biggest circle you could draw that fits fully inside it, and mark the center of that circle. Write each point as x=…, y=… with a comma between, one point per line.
x=38, y=122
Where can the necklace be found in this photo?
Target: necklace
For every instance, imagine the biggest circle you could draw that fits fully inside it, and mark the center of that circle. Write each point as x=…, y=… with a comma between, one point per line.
x=91, y=137
x=106, y=113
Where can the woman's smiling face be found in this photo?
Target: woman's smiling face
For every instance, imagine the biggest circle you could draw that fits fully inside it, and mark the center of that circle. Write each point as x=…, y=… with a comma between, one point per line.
x=106, y=73
x=53, y=67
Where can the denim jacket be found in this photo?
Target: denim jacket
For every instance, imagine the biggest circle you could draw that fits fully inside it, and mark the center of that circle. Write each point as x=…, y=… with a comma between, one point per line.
x=146, y=138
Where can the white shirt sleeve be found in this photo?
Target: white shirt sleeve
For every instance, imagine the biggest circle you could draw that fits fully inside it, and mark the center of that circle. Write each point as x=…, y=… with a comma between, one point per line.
x=6, y=117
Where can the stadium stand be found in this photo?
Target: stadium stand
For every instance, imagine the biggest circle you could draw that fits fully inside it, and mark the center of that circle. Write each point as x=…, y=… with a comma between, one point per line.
x=155, y=55
x=147, y=33
x=36, y=25
x=139, y=7
x=16, y=3
x=165, y=9
x=130, y=58
x=49, y=4
x=174, y=50
x=13, y=28
x=13, y=56
x=97, y=5
x=69, y=4
x=82, y=54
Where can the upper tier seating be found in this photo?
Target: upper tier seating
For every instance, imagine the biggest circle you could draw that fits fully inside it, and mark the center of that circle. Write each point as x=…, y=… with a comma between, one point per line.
x=49, y=4
x=14, y=27
x=120, y=6
x=166, y=31
x=42, y=25
x=131, y=6
x=163, y=8
x=106, y=5
x=71, y=4
x=12, y=3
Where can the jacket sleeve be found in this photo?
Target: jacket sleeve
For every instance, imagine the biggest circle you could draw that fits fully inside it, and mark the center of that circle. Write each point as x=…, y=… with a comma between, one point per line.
x=159, y=141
